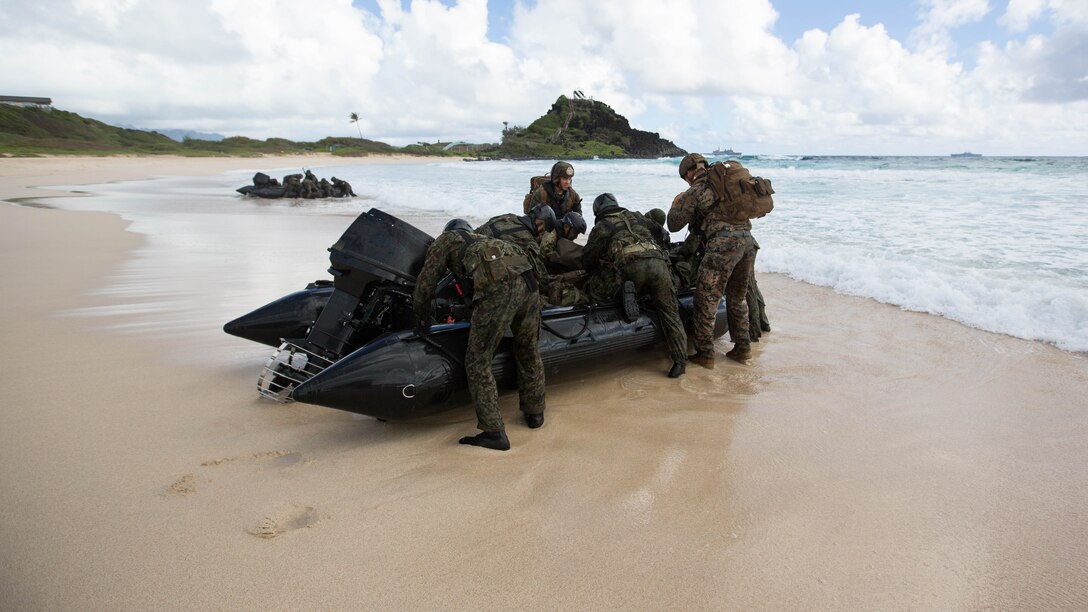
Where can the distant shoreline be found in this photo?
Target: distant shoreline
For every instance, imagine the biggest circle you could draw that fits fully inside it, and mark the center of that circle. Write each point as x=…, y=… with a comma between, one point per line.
x=35, y=177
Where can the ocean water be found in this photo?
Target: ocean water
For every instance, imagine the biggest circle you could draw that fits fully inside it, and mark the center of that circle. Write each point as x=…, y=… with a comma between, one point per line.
x=1000, y=244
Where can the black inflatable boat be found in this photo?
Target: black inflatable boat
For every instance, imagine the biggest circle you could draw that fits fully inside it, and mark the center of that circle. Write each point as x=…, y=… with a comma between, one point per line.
x=349, y=343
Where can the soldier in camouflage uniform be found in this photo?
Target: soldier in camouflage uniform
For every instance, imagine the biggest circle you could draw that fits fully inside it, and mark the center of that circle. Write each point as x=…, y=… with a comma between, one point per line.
x=625, y=239
x=557, y=193
x=343, y=188
x=525, y=231
x=309, y=188
x=726, y=265
x=292, y=184
x=504, y=295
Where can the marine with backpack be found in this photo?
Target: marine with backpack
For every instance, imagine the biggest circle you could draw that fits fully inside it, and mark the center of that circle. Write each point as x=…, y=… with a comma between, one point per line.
x=718, y=206
x=554, y=190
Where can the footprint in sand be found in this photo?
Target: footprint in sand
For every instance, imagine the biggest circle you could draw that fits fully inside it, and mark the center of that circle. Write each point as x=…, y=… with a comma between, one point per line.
x=283, y=520
x=186, y=485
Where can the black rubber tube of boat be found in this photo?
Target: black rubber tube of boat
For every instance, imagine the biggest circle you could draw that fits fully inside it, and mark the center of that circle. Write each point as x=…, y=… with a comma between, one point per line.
x=585, y=326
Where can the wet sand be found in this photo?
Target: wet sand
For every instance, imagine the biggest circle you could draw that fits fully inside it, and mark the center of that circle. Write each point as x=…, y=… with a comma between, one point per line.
x=867, y=458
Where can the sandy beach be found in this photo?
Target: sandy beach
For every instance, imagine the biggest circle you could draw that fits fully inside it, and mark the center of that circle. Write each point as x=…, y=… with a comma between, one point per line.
x=866, y=458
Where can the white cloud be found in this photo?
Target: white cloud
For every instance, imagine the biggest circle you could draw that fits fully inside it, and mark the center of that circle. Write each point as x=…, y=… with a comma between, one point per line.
x=1020, y=13
x=938, y=17
x=702, y=74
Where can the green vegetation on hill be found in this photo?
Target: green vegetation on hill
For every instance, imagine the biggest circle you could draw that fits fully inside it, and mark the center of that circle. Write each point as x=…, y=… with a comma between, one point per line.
x=581, y=128
x=573, y=128
x=34, y=131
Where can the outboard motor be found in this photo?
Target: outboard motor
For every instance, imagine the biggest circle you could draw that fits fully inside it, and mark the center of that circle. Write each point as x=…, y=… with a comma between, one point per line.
x=378, y=254
x=374, y=267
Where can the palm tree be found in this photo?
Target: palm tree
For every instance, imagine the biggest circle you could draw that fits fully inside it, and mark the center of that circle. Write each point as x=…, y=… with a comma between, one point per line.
x=354, y=118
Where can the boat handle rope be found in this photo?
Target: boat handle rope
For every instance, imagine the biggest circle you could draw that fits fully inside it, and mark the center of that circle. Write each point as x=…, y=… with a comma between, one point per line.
x=585, y=326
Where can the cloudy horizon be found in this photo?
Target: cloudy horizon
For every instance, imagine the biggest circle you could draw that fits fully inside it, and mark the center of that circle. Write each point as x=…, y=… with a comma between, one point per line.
x=930, y=77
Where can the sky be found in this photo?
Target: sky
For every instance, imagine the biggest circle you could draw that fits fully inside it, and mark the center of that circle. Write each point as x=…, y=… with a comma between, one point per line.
x=777, y=77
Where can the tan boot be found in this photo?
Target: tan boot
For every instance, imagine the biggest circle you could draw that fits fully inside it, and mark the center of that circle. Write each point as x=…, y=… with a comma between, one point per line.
x=739, y=353
x=704, y=359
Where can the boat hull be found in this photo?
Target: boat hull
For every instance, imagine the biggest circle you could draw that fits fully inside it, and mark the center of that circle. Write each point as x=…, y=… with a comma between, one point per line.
x=349, y=343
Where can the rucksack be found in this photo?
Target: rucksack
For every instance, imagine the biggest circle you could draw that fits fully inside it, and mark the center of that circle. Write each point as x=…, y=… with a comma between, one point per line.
x=635, y=243
x=746, y=196
x=492, y=262
x=534, y=184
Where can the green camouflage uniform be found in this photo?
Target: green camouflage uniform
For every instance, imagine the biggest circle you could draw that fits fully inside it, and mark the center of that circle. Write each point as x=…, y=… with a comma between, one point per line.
x=726, y=265
x=518, y=230
x=622, y=247
x=515, y=229
x=501, y=299
x=757, y=307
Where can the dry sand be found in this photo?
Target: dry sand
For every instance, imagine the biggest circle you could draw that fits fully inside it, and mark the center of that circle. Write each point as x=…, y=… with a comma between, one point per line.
x=867, y=458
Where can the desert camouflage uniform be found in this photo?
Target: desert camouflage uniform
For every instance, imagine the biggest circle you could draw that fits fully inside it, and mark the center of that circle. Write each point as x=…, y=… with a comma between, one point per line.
x=507, y=303
x=560, y=203
x=644, y=263
x=726, y=265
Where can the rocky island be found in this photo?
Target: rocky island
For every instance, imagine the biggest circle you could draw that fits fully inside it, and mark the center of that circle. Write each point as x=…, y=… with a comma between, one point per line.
x=581, y=128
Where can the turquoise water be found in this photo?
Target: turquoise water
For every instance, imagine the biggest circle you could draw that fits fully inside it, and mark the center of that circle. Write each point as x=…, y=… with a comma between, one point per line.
x=999, y=244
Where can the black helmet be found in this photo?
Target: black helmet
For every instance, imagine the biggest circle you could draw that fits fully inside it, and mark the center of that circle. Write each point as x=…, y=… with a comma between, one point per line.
x=604, y=203
x=689, y=162
x=543, y=212
x=457, y=224
x=562, y=169
x=574, y=221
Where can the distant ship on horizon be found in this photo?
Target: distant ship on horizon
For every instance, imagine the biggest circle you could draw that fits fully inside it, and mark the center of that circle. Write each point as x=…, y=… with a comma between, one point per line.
x=967, y=154
x=725, y=152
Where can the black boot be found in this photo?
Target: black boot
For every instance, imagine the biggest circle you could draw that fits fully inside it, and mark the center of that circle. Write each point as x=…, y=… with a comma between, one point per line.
x=630, y=302
x=534, y=420
x=677, y=370
x=488, y=439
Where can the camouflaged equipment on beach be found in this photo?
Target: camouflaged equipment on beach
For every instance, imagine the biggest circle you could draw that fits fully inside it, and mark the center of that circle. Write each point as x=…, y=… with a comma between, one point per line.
x=689, y=161
x=535, y=183
x=561, y=169
x=747, y=197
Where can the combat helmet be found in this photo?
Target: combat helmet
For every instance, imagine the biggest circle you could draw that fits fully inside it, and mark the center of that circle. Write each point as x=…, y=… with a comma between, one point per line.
x=574, y=221
x=657, y=215
x=689, y=161
x=543, y=212
x=457, y=224
x=605, y=203
x=562, y=169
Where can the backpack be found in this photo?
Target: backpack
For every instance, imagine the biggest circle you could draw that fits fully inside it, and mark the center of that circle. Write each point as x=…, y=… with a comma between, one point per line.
x=632, y=244
x=534, y=184
x=746, y=197
x=491, y=262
